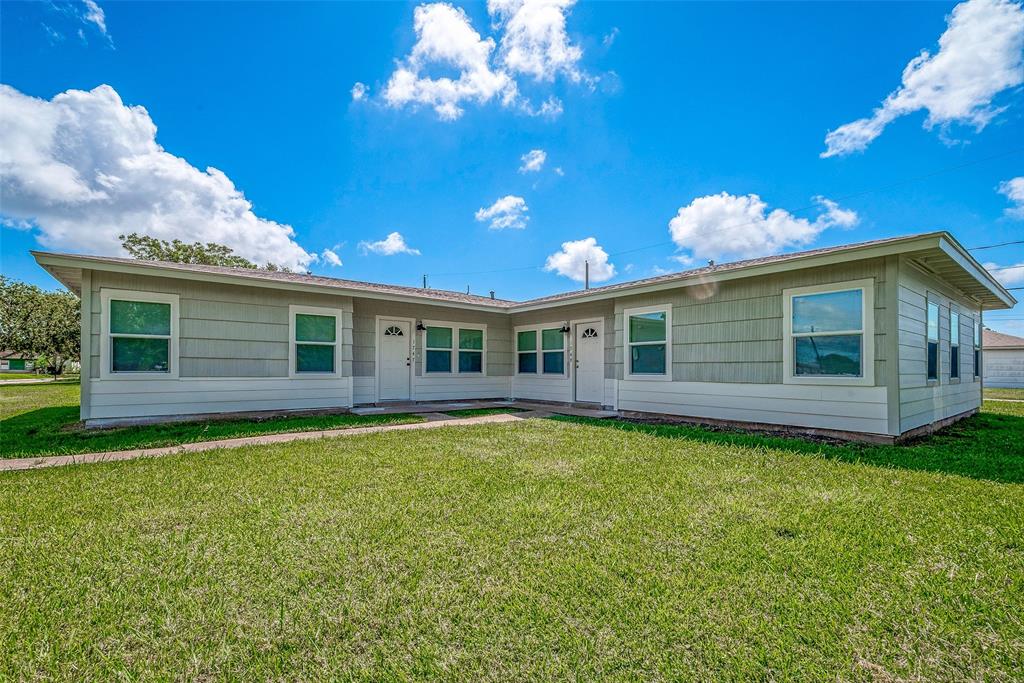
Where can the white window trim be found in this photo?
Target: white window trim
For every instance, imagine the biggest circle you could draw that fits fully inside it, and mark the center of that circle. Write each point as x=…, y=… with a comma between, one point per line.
x=976, y=347
x=928, y=300
x=566, y=353
x=867, y=332
x=959, y=347
x=627, y=350
x=294, y=310
x=105, y=346
x=455, y=327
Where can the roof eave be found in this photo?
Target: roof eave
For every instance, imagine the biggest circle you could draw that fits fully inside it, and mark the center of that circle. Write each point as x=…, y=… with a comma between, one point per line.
x=51, y=261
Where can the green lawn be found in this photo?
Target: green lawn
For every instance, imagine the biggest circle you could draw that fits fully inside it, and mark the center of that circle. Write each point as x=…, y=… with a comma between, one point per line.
x=42, y=419
x=480, y=412
x=1017, y=394
x=530, y=550
x=20, y=375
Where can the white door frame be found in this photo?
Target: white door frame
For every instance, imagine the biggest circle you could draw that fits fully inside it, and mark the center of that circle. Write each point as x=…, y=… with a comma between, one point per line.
x=376, y=346
x=572, y=359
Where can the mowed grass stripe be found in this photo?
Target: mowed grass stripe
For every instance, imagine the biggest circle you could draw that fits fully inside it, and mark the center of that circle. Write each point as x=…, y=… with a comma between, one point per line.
x=540, y=549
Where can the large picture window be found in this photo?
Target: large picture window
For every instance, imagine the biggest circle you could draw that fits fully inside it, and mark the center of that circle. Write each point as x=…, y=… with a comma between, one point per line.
x=451, y=348
x=139, y=334
x=932, y=341
x=829, y=338
x=648, y=342
x=954, y=345
x=314, y=341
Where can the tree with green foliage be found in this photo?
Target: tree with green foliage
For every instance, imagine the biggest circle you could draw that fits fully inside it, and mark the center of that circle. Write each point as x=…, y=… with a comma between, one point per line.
x=209, y=254
x=44, y=324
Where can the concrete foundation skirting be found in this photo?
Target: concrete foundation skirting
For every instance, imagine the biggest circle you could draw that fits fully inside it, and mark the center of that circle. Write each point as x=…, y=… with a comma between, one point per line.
x=925, y=430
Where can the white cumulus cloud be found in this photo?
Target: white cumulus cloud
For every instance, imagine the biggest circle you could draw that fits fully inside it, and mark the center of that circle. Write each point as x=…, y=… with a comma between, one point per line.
x=446, y=41
x=83, y=168
x=719, y=225
x=358, y=91
x=507, y=212
x=533, y=161
x=331, y=257
x=393, y=244
x=571, y=261
x=1013, y=189
x=534, y=41
x=980, y=55
x=1009, y=275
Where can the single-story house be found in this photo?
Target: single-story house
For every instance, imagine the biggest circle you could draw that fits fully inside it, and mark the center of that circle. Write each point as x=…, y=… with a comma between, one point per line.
x=875, y=340
x=1004, y=360
x=12, y=361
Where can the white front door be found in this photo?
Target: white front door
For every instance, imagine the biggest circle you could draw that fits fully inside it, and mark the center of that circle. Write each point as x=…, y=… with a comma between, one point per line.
x=590, y=362
x=395, y=366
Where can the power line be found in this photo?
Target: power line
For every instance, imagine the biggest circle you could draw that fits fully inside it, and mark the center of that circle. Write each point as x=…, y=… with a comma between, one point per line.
x=993, y=246
x=853, y=195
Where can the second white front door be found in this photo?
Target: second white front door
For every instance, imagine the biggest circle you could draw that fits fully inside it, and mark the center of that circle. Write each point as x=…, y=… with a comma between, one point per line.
x=395, y=366
x=589, y=364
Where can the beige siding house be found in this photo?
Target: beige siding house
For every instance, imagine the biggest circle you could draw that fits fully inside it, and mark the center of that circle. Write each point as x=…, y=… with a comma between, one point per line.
x=875, y=340
x=1003, y=361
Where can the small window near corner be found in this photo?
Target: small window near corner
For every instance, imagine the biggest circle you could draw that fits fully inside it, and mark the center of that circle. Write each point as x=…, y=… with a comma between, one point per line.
x=932, y=342
x=954, y=345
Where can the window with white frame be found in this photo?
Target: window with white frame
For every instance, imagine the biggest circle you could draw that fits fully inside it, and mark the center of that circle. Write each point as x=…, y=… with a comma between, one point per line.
x=452, y=348
x=438, y=347
x=471, y=350
x=140, y=334
x=648, y=342
x=954, y=345
x=552, y=351
x=540, y=350
x=932, y=341
x=829, y=334
x=526, y=352
x=314, y=333
x=977, y=349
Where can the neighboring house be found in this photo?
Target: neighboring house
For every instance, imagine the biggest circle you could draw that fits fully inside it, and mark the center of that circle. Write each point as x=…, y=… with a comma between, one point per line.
x=12, y=361
x=1003, y=362
x=869, y=340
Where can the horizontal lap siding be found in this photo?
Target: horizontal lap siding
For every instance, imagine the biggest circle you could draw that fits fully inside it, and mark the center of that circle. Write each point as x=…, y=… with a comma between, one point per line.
x=431, y=387
x=859, y=409
x=603, y=310
x=922, y=403
x=225, y=330
x=137, y=398
x=1003, y=367
x=733, y=331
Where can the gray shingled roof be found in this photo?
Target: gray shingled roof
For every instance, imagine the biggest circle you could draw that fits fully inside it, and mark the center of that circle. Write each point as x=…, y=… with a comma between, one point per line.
x=994, y=340
x=443, y=295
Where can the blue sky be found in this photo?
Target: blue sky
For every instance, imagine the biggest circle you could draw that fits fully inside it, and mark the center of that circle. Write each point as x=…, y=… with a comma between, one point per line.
x=668, y=116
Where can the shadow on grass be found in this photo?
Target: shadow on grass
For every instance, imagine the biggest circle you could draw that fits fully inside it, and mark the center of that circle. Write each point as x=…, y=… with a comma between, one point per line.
x=56, y=430
x=988, y=446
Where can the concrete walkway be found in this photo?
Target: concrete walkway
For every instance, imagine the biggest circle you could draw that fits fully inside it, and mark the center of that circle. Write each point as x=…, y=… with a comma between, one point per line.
x=434, y=420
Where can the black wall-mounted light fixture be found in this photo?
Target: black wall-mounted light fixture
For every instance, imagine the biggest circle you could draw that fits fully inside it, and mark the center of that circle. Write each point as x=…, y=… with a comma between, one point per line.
x=565, y=329
x=420, y=327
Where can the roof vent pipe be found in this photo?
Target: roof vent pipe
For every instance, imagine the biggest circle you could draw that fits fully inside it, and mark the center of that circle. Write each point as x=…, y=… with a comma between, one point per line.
x=492, y=293
x=586, y=274
x=424, y=280
x=711, y=263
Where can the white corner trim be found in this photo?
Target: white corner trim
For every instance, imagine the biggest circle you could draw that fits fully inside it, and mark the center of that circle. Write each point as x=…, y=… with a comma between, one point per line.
x=293, y=310
x=173, y=359
x=665, y=308
x=867, y=332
